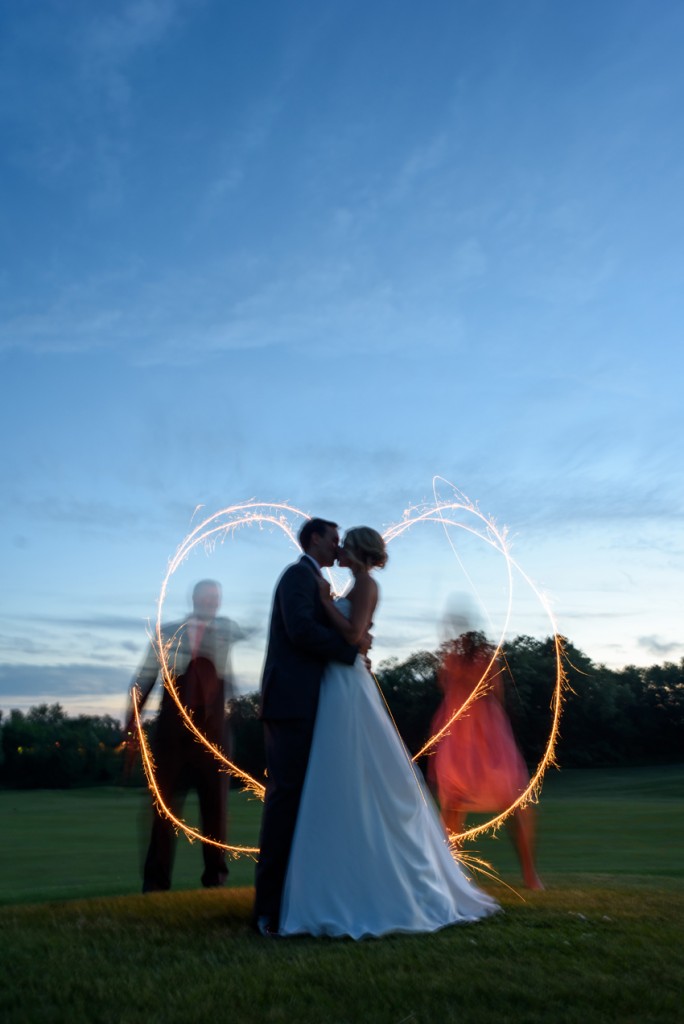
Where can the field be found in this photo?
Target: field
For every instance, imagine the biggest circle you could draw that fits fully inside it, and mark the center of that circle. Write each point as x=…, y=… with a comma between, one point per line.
x=602, y=943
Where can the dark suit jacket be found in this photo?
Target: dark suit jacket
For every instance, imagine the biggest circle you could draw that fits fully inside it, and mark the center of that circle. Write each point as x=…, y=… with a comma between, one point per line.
x=301, y=642
x=204, y=677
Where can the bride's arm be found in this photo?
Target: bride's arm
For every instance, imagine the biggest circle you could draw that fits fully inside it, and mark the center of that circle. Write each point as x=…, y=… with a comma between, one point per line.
x=363, y=598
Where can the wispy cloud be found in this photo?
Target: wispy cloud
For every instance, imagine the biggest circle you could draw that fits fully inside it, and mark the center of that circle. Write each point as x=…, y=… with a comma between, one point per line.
x=244, y=146
x=183, y=321
x=103, y=621
x=76, y=318
x=417, y=168
x=49, y=682
x=113, y=38
x=659, y=647
x=89, y=72
x=92, y=515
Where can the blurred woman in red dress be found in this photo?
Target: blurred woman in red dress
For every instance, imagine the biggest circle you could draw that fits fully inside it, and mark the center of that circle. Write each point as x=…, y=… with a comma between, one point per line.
x=477, y=766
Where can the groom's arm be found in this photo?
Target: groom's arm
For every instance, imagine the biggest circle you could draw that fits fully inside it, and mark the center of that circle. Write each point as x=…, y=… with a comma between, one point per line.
x=143, y=681
x=299, y=601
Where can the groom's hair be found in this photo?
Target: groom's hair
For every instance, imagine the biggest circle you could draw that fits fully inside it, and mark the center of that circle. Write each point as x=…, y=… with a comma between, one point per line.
x=311, y=526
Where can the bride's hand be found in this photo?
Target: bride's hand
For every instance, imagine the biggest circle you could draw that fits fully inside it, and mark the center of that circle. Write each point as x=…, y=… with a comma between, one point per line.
x=365, y=645
x=324, y=589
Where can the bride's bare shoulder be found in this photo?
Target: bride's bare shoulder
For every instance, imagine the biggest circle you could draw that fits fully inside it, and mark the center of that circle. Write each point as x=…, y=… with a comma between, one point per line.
x=365, y=588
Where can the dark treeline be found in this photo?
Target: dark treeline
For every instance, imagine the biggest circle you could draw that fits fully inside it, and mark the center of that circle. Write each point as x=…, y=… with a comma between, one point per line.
x=45, y=749
x=610, y=717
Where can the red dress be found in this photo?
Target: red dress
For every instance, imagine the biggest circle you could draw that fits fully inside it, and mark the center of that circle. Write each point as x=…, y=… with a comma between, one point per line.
x=477, y=765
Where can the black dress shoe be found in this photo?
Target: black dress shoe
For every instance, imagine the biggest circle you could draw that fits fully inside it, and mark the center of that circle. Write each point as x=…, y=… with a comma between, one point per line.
x=265, y=927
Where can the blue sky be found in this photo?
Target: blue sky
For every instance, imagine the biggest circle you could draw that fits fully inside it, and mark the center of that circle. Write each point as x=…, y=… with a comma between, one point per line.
x=317, y=253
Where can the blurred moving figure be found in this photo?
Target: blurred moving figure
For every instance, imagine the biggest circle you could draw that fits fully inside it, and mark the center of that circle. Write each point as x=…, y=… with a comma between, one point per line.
x=200, y=659
x=477, y=766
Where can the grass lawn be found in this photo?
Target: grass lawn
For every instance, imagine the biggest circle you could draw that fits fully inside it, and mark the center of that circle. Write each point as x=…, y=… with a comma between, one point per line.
x=65, y=844
x=603, y=943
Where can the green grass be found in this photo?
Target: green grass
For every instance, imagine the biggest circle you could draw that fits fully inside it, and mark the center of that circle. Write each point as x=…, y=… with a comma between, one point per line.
x=563, y=956
x=602, y=944
x=616, y=822
x=65, y=844
x=61, y=844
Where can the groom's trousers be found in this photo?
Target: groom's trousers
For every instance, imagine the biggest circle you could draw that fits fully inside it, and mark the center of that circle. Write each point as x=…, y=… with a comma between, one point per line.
x=287, y=743
x=181, y=764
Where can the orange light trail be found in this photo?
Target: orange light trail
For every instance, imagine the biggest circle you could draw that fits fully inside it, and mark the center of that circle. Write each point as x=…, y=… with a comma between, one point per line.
x=447, y=513
x=182, y=826
x=208, y=532
x=214, y=528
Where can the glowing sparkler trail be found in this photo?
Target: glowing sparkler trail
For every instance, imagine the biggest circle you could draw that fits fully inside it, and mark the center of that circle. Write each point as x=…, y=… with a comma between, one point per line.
x=467, y=504
x=148, y=766
x=216, y=527
x=443, y=512
x=447, y=513
x=208, y=532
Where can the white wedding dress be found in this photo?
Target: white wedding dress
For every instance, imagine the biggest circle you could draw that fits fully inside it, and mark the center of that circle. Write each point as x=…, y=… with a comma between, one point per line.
x=369, y=855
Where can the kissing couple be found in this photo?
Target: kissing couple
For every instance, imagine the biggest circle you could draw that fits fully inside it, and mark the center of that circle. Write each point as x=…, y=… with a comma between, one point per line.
x=351, y=842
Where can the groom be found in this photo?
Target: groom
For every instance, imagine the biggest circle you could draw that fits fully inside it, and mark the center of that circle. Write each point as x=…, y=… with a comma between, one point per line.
x=301, y=643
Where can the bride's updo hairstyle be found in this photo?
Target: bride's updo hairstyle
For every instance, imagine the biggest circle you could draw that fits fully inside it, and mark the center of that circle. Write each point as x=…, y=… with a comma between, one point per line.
x=365, y=546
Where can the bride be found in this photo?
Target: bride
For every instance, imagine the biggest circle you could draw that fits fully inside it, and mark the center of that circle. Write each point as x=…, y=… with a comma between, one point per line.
x=369, y=854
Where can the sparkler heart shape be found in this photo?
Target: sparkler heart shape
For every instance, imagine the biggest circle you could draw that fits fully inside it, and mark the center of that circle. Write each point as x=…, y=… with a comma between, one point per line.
x=449, y=514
